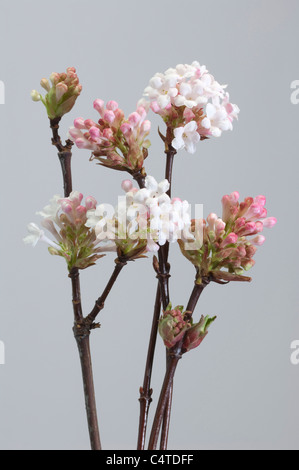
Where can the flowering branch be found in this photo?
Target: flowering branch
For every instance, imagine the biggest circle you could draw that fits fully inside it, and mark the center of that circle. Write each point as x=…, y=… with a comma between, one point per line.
x=58, y=101
x=194, y=107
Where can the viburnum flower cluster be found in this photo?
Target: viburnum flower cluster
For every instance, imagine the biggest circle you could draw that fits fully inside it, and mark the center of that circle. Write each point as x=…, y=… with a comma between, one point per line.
x=116, y=142
x=192, y=103
x=62, y=90
x=65, y=219
x=225, y=247
x=144, y=219
x=176, y=325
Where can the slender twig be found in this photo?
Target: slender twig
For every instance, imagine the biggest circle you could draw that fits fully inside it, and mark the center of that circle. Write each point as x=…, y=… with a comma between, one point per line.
x=174, y=356
x=64, y=155
x=163, y=400
x=167, y=412
x=162, y=269
x=146, y=390
x=81, y=334
x=100, y=302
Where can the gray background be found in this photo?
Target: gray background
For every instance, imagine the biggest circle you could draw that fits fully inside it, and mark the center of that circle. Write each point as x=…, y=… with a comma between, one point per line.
x=239, y=390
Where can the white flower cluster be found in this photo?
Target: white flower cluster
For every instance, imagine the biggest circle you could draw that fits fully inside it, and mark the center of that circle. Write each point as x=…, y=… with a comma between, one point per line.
x=190, y=94
x=146, y=215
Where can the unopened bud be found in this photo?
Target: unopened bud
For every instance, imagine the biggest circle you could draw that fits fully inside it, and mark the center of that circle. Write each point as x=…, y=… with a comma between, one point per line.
x=197, y=333
x=172, y=326
x=35, y=95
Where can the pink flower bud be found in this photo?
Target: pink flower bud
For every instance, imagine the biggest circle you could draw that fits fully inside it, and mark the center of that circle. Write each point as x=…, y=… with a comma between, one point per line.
x=211, y=219
x=250, y=251
x=232, y=238
x=89, y=123
x=249, y=229
x=95, y=133
x=79, y=123
x=146, y=127
x=134, y=119
x=254, y=212
x=66, y=207
x=99, y=106
x=75, y=133
x=270, y=222
x=126, y=128
x=82, y=143
x=119, y=116
x=112, y=105
x=258, y=241
x=176, y=199
x=188, y=115
x=142, y=112
x=127, y=185
x=240, y=223
x=61, y=89
x=71, y=70
x=260, y=200
x=230, y=206
x=219, y=227
x=242, y=251
x=90, y=203
x=155, y=107
x=81, y=211
x=108, y=134
x=109, y=116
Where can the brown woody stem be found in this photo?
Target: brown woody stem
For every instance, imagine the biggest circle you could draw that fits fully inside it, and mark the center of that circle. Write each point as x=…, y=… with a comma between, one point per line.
x=140, y=176
x=163, y=400
x=146, y=391
x=83, y=343
x=174, y=355
x=100, y=302
x=81, y=334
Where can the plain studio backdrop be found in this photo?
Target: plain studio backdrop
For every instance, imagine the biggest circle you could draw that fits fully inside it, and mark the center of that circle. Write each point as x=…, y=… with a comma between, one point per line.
x=239, y=390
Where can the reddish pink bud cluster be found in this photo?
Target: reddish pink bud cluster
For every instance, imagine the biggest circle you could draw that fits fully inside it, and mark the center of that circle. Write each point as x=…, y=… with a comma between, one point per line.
x=176, y=325
x=197, y=333
x=114, y=141
x=244, y=219
x=173, y=326
x=224, y=243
